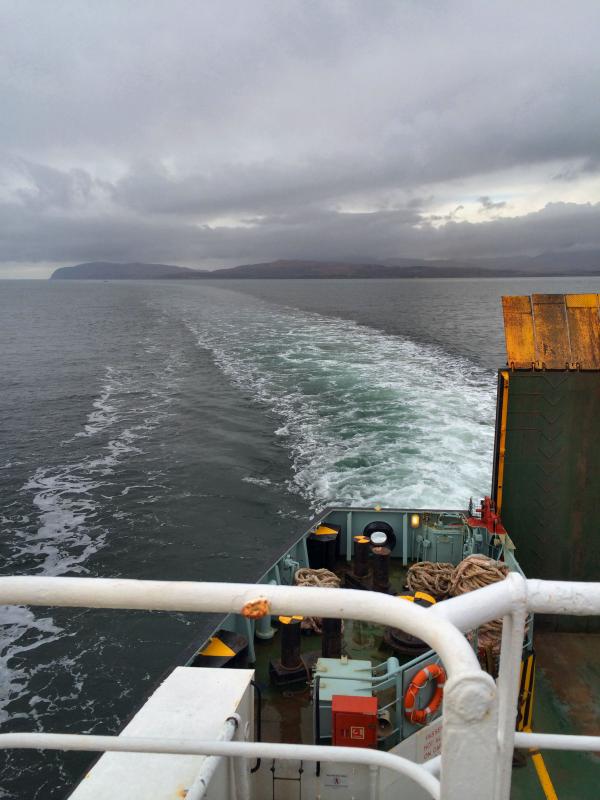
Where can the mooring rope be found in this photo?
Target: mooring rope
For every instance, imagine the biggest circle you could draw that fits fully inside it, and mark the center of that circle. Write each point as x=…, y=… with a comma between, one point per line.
x=475, y=572
x=323, y=578
x=430, y=577
x=316, y=577
x=445, y=580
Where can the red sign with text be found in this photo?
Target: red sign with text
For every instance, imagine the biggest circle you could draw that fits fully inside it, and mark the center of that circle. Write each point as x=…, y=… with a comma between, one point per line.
x=354, y=722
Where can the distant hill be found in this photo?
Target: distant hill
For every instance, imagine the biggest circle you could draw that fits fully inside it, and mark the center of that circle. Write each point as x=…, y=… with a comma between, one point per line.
x=306, y=269
x=335, y=269
x=548, y=264
x=107, y=270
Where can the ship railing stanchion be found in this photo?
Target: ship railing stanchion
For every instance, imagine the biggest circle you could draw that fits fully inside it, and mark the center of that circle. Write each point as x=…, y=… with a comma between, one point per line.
x=199, y=787
x=469, y=736
x=511, y=653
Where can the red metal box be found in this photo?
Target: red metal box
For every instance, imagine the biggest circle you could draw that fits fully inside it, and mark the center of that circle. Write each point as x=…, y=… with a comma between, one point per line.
x=354, y=722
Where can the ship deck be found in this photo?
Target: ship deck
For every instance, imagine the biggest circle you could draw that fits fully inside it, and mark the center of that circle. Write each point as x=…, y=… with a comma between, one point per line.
x=566, y=698
x=287, y=712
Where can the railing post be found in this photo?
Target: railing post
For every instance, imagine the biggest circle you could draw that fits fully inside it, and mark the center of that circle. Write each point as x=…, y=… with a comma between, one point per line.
x=349, y=536
x=511, y=653
x=469, y=737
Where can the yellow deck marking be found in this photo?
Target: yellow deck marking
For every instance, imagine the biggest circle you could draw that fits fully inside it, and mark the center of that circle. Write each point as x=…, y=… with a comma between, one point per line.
x=544, y=777
x=424, y=596
x=502, y=442
x=217, y=648
x=542, y=773
x=325, y=530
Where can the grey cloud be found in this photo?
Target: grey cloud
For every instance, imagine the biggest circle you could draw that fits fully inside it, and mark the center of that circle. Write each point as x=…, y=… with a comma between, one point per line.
x=27, y=236
x=590, y=166
x=487, y=205
x=242, y=81
x=130, y=127
x=234, y=188
x=558, y=226
x=449, y=217
x=50, y=188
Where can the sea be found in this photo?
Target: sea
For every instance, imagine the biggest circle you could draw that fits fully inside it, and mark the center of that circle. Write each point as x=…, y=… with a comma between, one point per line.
x=188, y=431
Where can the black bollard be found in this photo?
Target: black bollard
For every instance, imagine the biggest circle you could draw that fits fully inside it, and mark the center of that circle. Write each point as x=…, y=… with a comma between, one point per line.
x=361, y=556
x=381, y=569
x=290, y=642
x=331, y=645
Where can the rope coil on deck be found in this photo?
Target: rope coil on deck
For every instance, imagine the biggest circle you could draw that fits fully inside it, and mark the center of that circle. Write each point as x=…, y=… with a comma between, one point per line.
x=430, y=577
x=324, y=579
x=444, y=580
x=475, y=572
x=316, y=577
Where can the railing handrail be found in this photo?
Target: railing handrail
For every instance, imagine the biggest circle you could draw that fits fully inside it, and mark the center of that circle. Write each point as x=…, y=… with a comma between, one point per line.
x=557, y=741
x=295, y=752
x=479, y=714
x=465, y=612
x=182, y=596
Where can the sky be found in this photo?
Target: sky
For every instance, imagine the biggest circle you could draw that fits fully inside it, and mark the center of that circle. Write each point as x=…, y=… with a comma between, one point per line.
x=210, y=134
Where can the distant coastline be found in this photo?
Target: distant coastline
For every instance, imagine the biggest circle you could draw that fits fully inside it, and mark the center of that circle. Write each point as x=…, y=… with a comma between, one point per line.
x=583, y=263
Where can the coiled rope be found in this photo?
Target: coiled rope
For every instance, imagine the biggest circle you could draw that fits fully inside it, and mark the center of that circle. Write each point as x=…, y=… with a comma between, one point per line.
x=475, y=572
x=324, y=578
x=445, y=580
x=305, y=576
x=431, y=577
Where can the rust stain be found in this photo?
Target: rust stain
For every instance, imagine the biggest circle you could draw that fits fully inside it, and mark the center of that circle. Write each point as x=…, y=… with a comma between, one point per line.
x=570, y=664
x=552, y=348
x=518, y=331
x=552, y=331
x=584, y=329
x=255, y=609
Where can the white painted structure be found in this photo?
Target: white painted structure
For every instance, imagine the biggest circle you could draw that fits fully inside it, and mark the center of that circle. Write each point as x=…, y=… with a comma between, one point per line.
x=192, y=703
x=478, y=734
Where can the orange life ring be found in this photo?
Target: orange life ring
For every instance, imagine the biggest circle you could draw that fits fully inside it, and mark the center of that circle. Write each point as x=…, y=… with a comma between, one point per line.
x=420, y=716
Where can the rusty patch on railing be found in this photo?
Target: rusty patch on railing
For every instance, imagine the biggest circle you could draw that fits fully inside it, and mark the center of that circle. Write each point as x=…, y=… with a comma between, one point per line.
x=255, y=609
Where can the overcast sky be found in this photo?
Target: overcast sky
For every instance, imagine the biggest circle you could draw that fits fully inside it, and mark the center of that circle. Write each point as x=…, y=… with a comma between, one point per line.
x=216, y=133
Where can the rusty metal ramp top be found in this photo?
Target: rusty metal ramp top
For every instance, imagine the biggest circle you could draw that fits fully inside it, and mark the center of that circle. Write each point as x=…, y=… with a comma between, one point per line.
x=552, y=331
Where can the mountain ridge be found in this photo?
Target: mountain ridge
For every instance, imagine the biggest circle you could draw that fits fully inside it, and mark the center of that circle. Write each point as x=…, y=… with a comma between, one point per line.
x=110, y=270
x=548, y=264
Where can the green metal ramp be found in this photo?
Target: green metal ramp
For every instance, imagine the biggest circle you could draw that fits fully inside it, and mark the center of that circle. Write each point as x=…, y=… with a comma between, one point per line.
x=546, y=482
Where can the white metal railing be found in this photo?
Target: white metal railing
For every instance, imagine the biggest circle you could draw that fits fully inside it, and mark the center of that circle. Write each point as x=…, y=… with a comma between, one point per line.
x=199, y=787
x=478, y=734
x=305, y=752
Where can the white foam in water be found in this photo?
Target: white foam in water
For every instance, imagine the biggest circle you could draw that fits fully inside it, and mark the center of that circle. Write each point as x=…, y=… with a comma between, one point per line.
x=65, y=506
x=105, y=413
x=257, y=481
x=20, y=631
x=67, y=501
x=64, y=496
x=370, y=418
